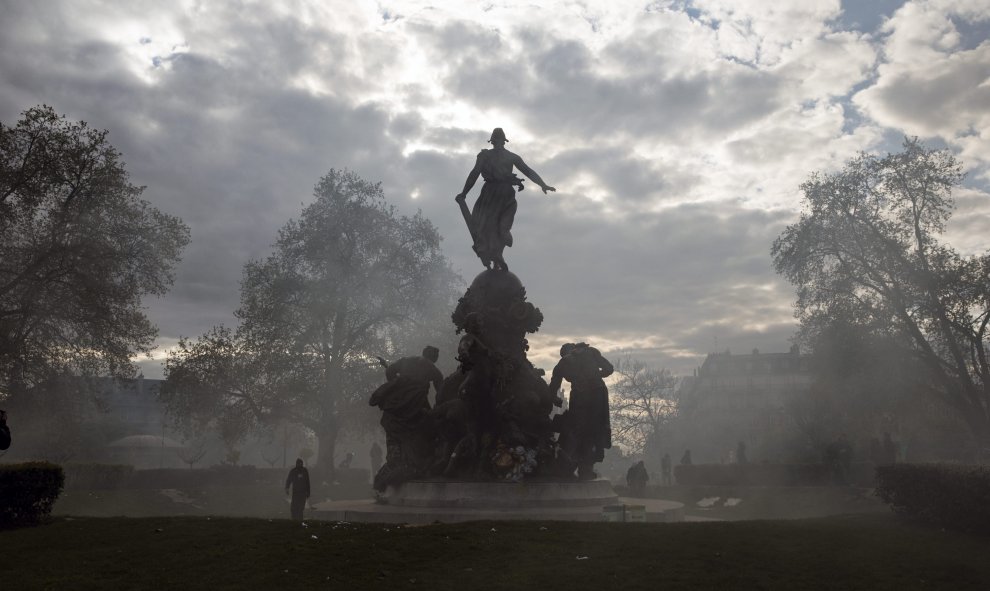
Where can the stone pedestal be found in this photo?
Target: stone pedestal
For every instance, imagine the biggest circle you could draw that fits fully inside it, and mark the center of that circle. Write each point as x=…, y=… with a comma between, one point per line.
x=501, y=495
x=430, y=501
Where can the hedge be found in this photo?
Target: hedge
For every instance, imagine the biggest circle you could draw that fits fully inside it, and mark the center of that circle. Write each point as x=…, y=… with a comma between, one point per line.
x=109, y=476
x=28, y=491
x=97, y=476
x=769, y=474
x=952, y=496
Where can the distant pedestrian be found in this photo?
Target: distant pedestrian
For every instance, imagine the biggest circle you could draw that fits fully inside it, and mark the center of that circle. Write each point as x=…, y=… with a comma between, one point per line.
x=845, y=456
x=665, y=470
x=298, y=482
x=636, y=478
x=838, y=457
x=4, y=431
x=686, y=458
x=876, y=452
x=741, y=453
x=346, y=462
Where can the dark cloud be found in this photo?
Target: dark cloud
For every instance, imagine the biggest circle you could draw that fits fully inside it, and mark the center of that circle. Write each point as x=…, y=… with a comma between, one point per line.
x=232, y=125
x=231, y=147
x=634, y=181
x=551, y=84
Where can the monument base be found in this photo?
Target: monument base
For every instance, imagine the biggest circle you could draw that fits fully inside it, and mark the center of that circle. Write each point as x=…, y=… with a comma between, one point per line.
x=429, y=501
x=501, y=495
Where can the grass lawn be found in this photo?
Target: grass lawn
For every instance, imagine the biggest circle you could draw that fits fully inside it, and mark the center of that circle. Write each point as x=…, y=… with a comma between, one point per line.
x=255, y=501
x=854, y=552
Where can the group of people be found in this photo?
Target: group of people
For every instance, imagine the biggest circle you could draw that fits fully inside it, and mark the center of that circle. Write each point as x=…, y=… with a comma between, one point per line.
x=479, y=428
x=637, y=475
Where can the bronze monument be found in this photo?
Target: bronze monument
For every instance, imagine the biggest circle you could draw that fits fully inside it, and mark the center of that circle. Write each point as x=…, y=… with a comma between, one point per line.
x=492, y=416
x=490, y=222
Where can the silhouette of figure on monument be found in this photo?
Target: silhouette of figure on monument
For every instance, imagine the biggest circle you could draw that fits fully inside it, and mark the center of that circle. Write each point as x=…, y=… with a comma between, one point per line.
x=585, y=431
x=405, y=406
x=490, y=221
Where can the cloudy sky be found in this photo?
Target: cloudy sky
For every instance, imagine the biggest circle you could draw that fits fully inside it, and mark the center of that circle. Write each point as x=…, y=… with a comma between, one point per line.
x=676, y=132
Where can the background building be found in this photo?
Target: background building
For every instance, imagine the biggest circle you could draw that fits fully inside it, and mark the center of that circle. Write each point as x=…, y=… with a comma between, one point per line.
x=733, y=398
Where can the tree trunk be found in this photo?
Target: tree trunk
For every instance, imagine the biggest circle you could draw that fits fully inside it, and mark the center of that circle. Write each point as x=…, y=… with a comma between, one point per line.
x=981, y=434
x=326, y=444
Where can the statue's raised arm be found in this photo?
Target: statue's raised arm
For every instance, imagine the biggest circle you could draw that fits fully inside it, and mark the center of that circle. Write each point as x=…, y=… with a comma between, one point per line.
x=531, y=175
x=490, y=221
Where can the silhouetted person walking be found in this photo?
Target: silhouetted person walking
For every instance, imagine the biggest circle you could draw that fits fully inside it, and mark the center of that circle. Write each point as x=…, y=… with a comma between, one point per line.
x=876, y=452
x=4, y=431
x=888, y=450
x=686, y=458
x=298, y=481
x=838, y=456
x=665, y=469
x=636, y=478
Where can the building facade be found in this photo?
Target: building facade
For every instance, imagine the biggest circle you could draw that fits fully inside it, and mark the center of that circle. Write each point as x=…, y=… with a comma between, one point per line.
x=736, y=398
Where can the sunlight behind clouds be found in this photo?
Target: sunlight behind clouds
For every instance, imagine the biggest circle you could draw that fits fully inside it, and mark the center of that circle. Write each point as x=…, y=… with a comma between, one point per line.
x=677, y=134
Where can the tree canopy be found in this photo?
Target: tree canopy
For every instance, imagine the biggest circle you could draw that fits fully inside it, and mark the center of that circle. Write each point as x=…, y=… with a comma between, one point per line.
x=348, y=281
x=642, y=402
x=79, y=249
x=867, y=251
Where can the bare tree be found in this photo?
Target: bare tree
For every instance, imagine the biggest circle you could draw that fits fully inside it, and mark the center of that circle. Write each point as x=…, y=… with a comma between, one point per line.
x=642, y=402
x=271, y=456
x=193, y=451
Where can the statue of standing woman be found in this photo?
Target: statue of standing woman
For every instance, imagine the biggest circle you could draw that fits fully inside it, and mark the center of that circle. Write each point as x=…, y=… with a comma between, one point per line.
x=490, y=222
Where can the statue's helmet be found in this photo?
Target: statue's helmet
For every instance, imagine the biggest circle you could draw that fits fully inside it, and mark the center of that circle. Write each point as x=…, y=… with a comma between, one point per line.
x=497, y=134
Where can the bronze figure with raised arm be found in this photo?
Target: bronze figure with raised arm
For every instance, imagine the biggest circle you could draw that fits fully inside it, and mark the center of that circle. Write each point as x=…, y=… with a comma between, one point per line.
x=490, y=221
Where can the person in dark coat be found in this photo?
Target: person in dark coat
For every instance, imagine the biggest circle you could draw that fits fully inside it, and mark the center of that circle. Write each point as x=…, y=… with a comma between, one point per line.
x=4, y=431
x=298, y=482
x=665, y=470
x=741, y=453
x=888, y=451
x=636, y=478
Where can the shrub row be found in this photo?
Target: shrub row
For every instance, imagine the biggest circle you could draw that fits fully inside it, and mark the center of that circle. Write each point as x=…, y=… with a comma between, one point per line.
x=28, y=491
x=772, y=475
x=108, y=476
x=96, y=476
x=952, y=496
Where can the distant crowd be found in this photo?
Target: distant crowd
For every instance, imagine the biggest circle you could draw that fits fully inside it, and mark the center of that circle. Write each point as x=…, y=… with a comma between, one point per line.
x=838, y=456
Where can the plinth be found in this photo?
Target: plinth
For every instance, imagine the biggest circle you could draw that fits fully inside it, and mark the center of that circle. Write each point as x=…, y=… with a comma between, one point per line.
x=441, y=494
x=445, y=501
